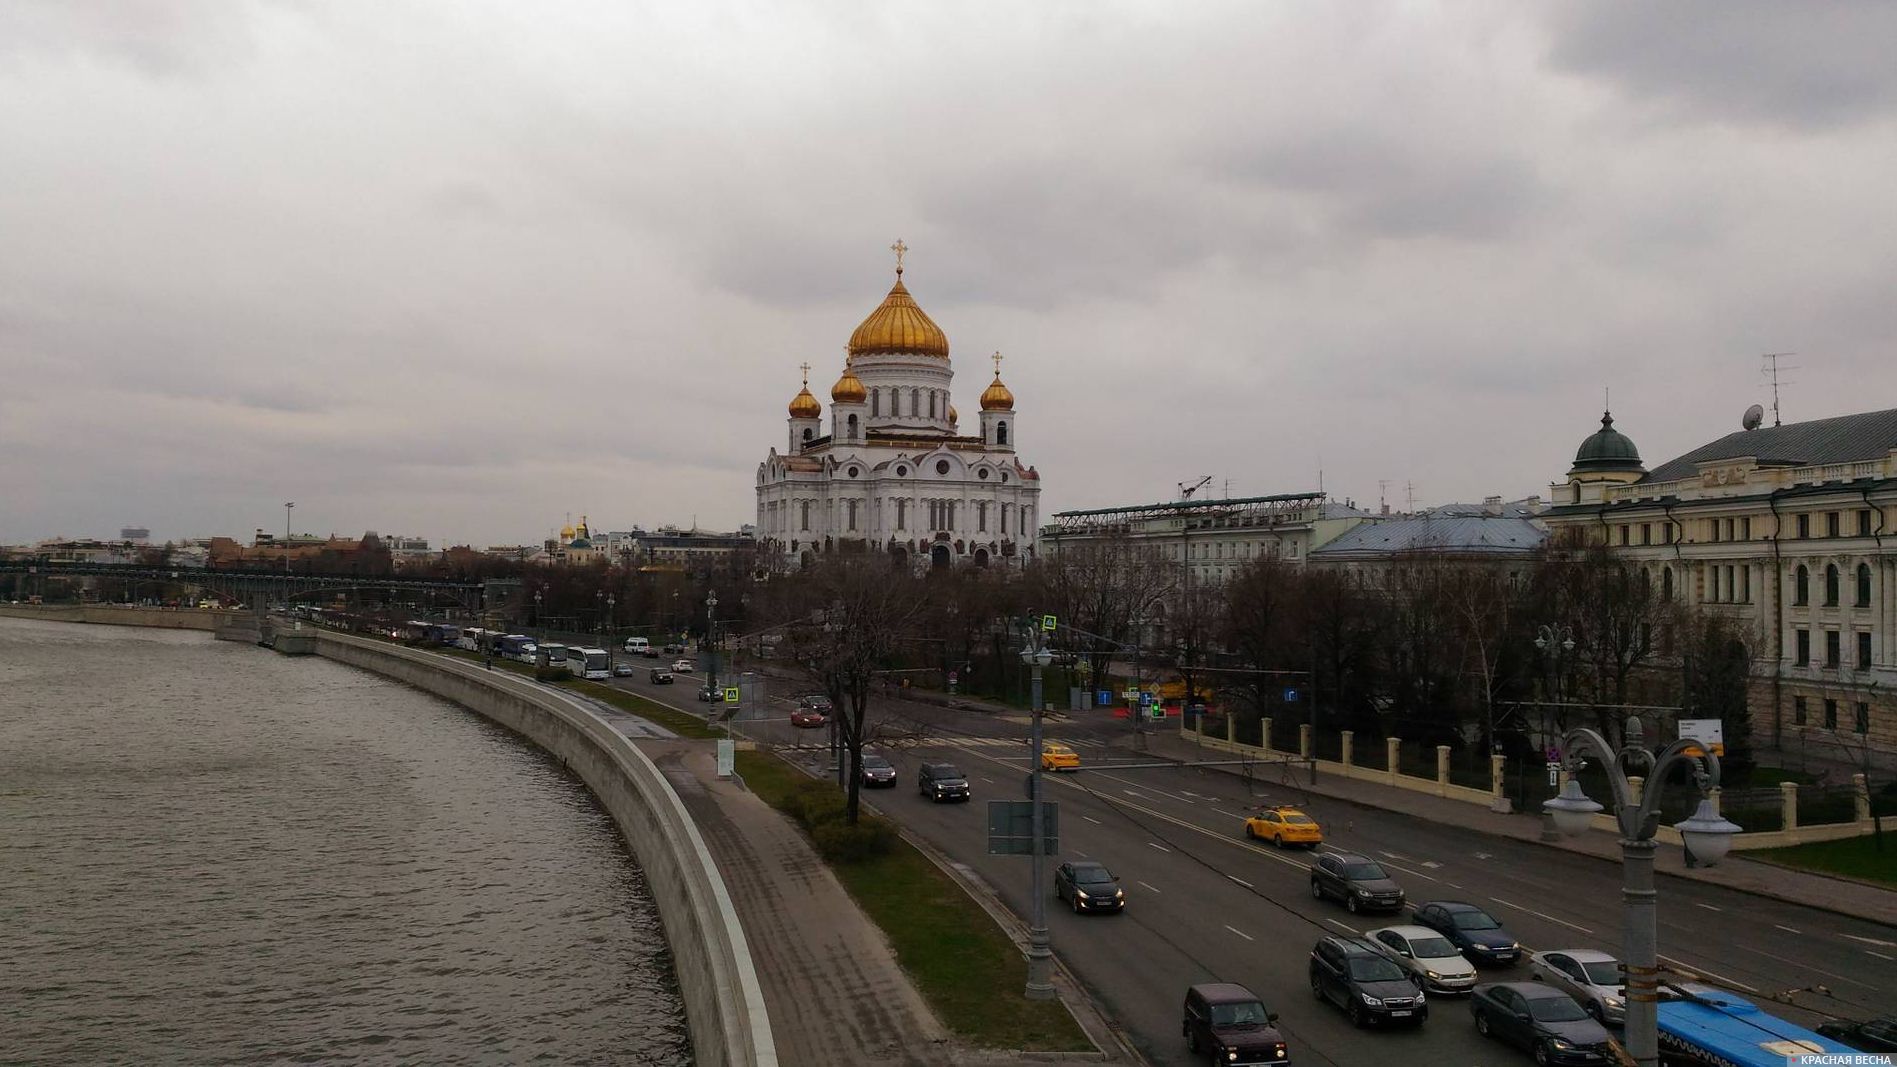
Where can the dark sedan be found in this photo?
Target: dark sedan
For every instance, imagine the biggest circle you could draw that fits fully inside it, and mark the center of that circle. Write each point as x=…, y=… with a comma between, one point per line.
x=1470, y=929
x=1088, y=886
x=660, y=676
x=1545, y=1021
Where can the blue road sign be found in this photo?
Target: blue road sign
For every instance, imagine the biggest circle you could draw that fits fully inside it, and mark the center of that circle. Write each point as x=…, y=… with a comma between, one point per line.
x=1290, y=696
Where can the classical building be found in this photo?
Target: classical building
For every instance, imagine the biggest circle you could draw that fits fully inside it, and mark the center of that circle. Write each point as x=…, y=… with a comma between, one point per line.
x=892, y=472
x=1790, y=530
x=1213, y=537
x=1506, y=537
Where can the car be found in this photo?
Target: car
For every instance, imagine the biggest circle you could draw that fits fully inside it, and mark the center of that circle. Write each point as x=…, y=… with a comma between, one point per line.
x=1427, y=955
x=710, y=694
x=1088, y=886
x=815, y=702
x=674, y=649
x=1358, y=881
x=1058, y=757
x=1469, y=928
x=1368, y=985
x=1283, y=825
x=1872, y=1035
x=649, y=652
x=1230, y=1023
x=1592, y=978
x=876, y=771
x=802, y=715
x=660, y=676
x=622, y=670
x=684, y=666
x=1543, y=1020
x=942, y=781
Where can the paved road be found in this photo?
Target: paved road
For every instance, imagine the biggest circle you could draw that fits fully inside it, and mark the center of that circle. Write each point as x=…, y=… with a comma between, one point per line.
x=1206, y=904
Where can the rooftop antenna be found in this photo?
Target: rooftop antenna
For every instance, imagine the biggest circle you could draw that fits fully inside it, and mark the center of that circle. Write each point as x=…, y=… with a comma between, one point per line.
x=1320, y=473
x=1770, y=369
x=1228, y=489
x=1409, y=496
x=1185, y=491
x=1383, y=490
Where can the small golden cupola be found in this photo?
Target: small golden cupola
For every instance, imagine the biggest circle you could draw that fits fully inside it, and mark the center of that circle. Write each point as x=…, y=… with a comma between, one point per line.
x=997, y=397
x=849, y=388
x=804, y=405
x=898, y=326
x=953, y=416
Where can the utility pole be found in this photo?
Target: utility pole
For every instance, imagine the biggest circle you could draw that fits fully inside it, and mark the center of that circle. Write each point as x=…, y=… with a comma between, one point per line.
x=286, y=535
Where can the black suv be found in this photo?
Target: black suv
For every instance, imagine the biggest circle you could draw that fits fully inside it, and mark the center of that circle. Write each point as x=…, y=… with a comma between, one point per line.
x=876, y=771
x=1232, y=1024
x=1470, y=929
x=1368, y=985
x=941, y=781
x=1356, y=880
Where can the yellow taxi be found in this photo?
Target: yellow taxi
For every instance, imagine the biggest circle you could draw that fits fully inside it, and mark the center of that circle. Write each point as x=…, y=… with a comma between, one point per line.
x=1058, y=757
x=1284, y=825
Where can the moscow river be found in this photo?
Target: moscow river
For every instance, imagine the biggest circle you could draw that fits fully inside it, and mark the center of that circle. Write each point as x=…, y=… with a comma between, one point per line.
x=211, y=853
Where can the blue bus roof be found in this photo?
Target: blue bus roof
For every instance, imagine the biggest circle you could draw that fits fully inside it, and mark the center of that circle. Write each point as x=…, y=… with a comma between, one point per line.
x=1728, y=1030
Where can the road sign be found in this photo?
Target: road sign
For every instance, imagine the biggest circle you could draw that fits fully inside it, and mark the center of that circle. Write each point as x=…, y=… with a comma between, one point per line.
x=1048, y=622
x=732, y=694
x=1554, y=775
x=1011, y=828
x=1290, y=696
x=1710, y=733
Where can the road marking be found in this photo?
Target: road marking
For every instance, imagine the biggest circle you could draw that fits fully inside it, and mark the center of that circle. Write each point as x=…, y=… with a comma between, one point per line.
x=1241, y=933
x=1241, y=881
x=1708, y=907
x=1543, y=914
x=1093, y=820
x=1130, y=793
x=1788, y=929
x=1159, y=846
x=1872, y=941
x=1452, y=885
x=1392, y=855
x=1431, y=864
x=1880, y=955
x=1341, y=925
x=1080, y=855
x=990, y=781
x=1696, y=972
x=1151, y=888
x=1483, y=856
x=1741, y=945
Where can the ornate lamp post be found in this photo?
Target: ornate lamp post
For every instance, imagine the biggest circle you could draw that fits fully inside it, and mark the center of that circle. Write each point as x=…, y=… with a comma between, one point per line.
x=1034, y=653
x=711, y=640
x=536, y=608
x=1706, y=834
x=1554, y=641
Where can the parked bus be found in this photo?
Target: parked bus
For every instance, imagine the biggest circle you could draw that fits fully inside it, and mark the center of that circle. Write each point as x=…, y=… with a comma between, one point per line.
x=589, y=663
x=556, y=654
x=518, y=647
x=473, y=639
x=432, y=633
x=1701, y=1026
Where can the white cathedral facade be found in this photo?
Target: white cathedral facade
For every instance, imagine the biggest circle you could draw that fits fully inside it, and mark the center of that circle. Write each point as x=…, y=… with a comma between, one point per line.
x=892, y=473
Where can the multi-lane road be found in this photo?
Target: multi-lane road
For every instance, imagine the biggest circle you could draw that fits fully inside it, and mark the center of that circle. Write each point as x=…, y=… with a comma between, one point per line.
x=1206, y=904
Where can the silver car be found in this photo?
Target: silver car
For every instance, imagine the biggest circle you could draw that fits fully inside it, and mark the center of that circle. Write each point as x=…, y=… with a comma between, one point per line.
x=1592, y=978
x=1427, y=955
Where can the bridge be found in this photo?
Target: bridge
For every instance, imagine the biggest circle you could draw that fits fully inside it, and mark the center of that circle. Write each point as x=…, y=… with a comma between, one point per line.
x=247, y=584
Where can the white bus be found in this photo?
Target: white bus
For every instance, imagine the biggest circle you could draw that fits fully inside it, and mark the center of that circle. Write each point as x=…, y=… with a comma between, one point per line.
x=588, y=663
x=473, y=639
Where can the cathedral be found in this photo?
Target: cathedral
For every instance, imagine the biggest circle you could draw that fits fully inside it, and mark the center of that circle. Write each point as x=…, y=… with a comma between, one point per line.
x=892, y=472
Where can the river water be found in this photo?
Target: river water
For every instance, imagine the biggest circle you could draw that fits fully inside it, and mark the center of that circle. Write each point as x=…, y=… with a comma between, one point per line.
x=211, y=853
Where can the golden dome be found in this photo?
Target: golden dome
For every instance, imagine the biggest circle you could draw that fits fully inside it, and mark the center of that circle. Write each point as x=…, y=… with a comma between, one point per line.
x=566, y=532
x=803, y=405
x=953, y=417
x=899, y=326
x=997, y=397
x=848, y=389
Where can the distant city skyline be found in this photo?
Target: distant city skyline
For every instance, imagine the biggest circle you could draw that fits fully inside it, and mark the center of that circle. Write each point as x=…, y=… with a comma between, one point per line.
x=457, y=272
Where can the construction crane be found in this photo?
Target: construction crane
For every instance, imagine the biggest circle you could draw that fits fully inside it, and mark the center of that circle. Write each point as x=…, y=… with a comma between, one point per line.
x=1185, y=491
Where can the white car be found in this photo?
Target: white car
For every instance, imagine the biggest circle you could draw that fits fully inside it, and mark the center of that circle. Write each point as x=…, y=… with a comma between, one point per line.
x=1426, y=954
x=683, y=666
x=1592, y=978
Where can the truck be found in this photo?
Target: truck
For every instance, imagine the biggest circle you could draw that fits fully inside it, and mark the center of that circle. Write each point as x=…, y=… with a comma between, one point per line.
x=1703, y=1026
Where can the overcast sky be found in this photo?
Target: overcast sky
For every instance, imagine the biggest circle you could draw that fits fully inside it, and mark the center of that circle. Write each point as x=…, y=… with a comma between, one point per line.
x=458, y=269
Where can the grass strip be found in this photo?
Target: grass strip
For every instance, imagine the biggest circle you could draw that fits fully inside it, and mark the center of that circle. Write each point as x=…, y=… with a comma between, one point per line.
x=964, y=966
x=679, y=722
x=1853, y=857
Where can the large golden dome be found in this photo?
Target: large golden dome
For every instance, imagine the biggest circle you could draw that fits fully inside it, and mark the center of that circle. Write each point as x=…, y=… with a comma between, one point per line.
x=849, y=389
x=899, y=326
x=997, y=397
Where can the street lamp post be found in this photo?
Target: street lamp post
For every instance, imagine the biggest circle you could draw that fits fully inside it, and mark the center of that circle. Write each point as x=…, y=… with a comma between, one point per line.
x=287, y=507
x=536, y=609
x=1040, y=958
x=711, y=641
x=1706, y=835
x=1554, y=641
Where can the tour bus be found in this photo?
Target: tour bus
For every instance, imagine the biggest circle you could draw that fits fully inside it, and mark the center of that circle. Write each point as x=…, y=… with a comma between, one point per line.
x=472, y=639
x=588, y=663
x=433, y=633
x=638, y=646
x=1703, y=1026
x=556, y=654
x=517, y=647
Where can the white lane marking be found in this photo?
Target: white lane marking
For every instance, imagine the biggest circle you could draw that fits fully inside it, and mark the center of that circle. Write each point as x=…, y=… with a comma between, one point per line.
x=1392, y=855
x=1341, y=925
x=1130, y=793
x=1452, y=885
x=1708, y=907
x=1431, y=864
x=990, y=781
x=1703, y=972
x=1872, y=941
x=1093, y=820
x=1542, y=914
x=1159, y=846
x=1241, y=933
x=1483, y=856
x=1880, y=955
x=1217, y=811
x=1150, y=887
x=1787, y=929
x=1241, y=881
x=1742, y=946
x=1080, y=855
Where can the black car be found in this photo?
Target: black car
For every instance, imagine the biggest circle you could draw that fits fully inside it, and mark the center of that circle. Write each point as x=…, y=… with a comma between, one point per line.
x=1543, y=1020
x=1365, y=983
x=1088, y=886
x=1356, y=880
x=1872, y=1035
x=660, y=676
x=1470, y=929
x=1231, y=1024
x=941, y=781
x=877, y=772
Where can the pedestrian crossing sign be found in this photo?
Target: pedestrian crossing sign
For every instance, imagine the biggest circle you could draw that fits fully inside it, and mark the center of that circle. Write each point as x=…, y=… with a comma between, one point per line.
x=731, y=694
x=1048, y=623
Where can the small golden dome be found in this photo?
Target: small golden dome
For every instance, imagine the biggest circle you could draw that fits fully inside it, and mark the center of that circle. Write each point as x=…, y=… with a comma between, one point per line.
x=997, y=397
x=805, y=406
x=848, y=389
x=899, y=326
x=953, y=417
x=566, y=532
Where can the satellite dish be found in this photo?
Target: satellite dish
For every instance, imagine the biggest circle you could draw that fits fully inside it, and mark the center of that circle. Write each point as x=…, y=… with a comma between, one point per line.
x=1753, y=416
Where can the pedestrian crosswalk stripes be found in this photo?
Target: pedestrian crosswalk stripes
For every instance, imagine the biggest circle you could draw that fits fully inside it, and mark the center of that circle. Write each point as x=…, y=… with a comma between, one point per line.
x=1002, y=742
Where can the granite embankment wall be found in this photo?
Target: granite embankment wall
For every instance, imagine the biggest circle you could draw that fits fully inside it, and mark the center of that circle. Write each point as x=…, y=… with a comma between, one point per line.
x=724, y=1003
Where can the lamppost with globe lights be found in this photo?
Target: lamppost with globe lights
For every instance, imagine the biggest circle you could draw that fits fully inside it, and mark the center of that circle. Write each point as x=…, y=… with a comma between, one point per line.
x=1034, y=653
x=711, y=642
x=1707, y=837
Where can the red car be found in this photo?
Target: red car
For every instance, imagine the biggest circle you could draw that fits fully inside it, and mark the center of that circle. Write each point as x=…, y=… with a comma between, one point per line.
x=811, y=711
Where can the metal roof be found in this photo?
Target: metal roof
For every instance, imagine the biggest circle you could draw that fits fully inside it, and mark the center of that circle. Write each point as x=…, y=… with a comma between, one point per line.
x=1175, y=506
x=1470, y=535
x=1847, y=438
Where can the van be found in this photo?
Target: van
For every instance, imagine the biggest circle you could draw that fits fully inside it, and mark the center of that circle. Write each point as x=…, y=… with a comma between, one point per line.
x=638, y=646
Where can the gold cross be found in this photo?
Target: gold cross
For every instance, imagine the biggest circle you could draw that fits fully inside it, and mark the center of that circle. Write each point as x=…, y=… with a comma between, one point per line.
x=997, y=357
x=899, y=248
x=806, y=369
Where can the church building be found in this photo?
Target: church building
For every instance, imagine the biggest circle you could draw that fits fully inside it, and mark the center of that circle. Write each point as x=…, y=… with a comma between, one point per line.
x=892, y=472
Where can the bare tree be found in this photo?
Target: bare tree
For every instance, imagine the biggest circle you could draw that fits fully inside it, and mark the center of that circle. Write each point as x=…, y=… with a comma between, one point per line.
x=1103, y=588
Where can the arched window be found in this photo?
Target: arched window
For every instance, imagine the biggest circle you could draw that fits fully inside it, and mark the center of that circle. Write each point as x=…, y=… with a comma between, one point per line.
x=1831, y=585
x=875, y=401
x=1863, y=585
x=1666, y=582
x=852, y=427
x=807, y=433
x=1801, y=586
x=915, y=401
x=1001, y=433
x=932, y=403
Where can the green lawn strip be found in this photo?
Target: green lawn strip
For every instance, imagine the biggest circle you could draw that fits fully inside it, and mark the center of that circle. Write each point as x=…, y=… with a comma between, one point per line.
x=1853, y=857
x=967, y=969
